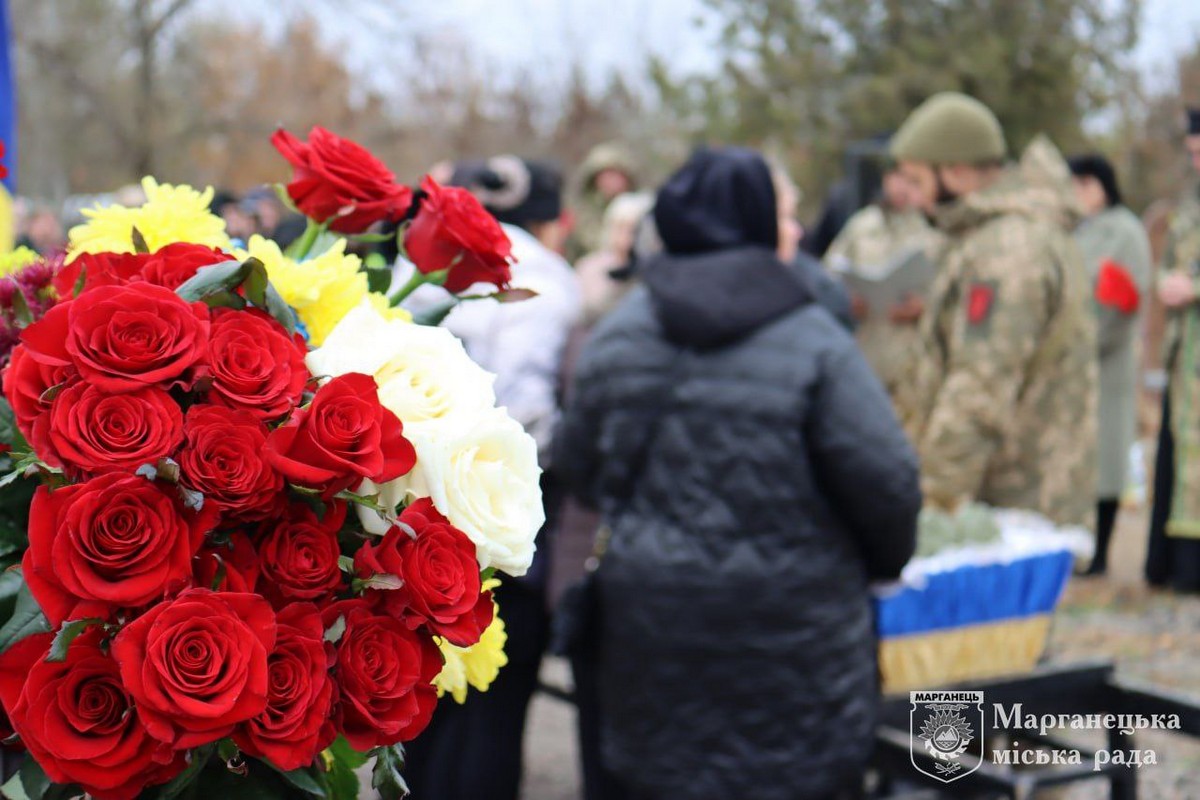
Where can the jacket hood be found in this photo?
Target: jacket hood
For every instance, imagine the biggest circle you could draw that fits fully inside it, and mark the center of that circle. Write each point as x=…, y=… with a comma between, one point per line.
x=1038, y=186
x=722, y=198
x=710, y=299
x=610, y=155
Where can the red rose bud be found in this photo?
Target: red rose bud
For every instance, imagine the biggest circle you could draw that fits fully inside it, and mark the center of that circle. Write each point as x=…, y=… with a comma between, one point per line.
x=97, y=269
x=196, y=666
x=452, y=231
x=255, y=365
x=223, y=459
x=91, y=432
x=299, y=555
x=343, y=436
x=440, y=575
x=27, y=385
x=116, y=541
x=338, y=181
x=79, y=722
x=123, y=338
x=296, y=724
x=174, y=264
x=384, y=675
x=228, y=567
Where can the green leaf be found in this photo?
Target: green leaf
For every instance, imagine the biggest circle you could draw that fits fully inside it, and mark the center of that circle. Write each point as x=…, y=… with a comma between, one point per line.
x=30, y=782
x=369, y=238
x=304, y=780
x=254, y=284
x=20, y=306
x=280, y=310
x=227, y=750
x=139, y=241
x=27, y=619
x=282, y=193
x=336, y=630
x=213, y=280
x=386, y=583
x=346, y=564
x=434, y=316
x=343, y=760
x=387, y=777
x=196, y=760
x=379, y=280
x=67, y=634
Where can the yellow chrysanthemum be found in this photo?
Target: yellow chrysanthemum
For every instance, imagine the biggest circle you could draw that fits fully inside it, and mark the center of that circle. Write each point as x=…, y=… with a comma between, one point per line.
x=170, y=214
x=379, y=302
x=476, y=666
x=15, y=260
x=322, y=289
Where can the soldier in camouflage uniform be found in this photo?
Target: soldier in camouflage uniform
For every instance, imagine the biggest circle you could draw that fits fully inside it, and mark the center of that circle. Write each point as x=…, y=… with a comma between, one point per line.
x=1007, y=386
x=872, y=238
x=1174, y=552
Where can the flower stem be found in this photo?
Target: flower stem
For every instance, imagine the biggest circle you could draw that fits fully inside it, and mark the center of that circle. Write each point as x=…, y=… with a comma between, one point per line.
x=300, y=248
x=417, y=280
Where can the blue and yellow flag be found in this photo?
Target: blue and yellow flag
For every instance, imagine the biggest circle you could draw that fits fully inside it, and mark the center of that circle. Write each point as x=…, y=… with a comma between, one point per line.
x=8, y=135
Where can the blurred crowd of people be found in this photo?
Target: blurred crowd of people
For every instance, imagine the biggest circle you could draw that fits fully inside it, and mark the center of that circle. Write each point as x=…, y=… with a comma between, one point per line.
x=739, y=422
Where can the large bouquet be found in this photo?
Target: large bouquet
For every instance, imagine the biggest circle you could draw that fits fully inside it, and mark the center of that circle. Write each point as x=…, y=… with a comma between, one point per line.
x=252, y=565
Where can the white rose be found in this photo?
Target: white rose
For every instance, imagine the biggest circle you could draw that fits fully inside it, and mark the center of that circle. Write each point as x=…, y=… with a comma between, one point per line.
x=424, y=374
x=485, y=478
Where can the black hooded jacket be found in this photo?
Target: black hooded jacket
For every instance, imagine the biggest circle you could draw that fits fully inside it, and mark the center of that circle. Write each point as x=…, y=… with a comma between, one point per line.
x=754, y=478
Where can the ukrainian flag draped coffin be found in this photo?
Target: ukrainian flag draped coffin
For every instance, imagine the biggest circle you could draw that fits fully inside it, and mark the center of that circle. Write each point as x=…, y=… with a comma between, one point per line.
x=978, y=610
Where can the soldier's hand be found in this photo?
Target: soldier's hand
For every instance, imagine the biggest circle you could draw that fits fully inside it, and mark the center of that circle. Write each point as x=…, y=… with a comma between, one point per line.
x=907, y=312
x=1176, y=290
x=859, y=308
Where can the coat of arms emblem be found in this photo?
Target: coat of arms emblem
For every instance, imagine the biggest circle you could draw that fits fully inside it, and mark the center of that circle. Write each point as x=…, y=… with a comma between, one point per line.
x=947, y=729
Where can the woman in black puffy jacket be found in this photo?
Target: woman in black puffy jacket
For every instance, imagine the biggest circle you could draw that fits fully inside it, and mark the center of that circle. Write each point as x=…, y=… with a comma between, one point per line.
x=755, y=480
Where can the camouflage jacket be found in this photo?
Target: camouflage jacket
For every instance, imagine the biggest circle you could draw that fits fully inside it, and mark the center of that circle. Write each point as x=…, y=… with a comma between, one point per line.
x=1182, y=254
x=1006, y=411
x=872, y=238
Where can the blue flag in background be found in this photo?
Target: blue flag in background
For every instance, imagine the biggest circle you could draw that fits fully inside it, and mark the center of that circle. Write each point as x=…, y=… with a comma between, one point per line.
x=8, y=133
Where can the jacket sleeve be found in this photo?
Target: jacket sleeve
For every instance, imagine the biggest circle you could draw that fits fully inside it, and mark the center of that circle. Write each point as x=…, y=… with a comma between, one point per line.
x=1002, y=313
x=863, y=462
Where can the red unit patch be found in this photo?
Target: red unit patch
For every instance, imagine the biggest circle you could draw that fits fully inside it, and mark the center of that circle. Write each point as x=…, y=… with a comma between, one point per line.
x=980, y=298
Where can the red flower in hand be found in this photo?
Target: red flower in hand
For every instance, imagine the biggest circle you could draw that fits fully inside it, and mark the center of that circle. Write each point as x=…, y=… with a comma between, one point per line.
x=339, y=181
x=342, y=437
x=1115, y=288
x=453, y=231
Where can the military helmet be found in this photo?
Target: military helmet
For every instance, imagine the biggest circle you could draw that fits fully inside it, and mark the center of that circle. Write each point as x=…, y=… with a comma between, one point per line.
x=950, y=128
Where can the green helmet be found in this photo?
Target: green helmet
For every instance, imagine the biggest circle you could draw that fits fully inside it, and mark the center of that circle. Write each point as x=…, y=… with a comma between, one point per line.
x=950, y=128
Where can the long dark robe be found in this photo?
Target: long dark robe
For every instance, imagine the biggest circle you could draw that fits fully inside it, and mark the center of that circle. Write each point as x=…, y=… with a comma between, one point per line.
x=1171, y=561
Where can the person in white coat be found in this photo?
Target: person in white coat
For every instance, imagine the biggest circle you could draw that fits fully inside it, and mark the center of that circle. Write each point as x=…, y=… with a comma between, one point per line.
x=473, y=751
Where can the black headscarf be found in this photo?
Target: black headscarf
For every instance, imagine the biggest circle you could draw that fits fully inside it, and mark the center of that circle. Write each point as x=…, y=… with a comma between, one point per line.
x=720, y=199
x=1094, y=165
x=1193, y=120
x=515, y=190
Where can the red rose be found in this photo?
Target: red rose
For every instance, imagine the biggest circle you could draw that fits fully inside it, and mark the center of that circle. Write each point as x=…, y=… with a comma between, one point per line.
x=26, y=386
x=296, y=724
x=122, y=338
x=196, y=666
x=173, y=264
x=255, y=365
x=337, y=180
x=384, y=676
x=298, y=556
x=222, y=458
x=79, y=722
x=453, y=231
x=228, y=567
x=440, y=574
x=116, y=541
x=343, y=436
x=97, y=269
x=93, y=432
